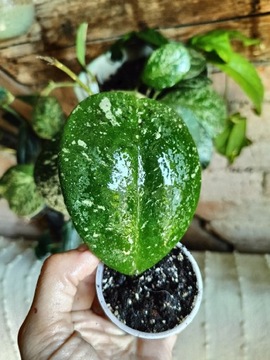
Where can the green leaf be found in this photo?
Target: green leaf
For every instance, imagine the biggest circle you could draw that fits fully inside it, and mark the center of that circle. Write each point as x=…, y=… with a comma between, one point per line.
x=28, y=145
x=195, y=83
x=233, y=139
x=245, y=40
x=204, y=102
x=233, y=64
x=222, y=139
x=152, y=37
x=6, y=98
x=200, y=136
x=197, y=64
x=48, y=117
x=17, y=186
x=246, y=76
x=219, y=41
x=130, y=177
x=80, y=43
x=46, y=175
x=166, y=66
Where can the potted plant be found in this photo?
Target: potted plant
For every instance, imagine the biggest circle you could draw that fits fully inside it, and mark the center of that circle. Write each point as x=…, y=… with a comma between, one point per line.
x=158, y=303
x=128, y=166
x=129, y=172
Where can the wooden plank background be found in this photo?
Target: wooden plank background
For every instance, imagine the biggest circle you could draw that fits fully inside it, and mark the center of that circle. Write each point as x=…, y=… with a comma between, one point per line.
x=53, y=32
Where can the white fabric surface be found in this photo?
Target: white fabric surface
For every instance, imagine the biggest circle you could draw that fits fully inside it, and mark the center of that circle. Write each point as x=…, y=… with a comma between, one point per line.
x=233, y=322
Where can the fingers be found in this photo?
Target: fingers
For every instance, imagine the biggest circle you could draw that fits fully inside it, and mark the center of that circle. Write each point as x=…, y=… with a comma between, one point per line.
x=108, y=340
x=97, y=308
x=62, y=286
x=156, y=349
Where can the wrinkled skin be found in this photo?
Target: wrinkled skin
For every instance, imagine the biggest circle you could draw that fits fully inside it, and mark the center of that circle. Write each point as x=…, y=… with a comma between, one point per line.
x=65, y=321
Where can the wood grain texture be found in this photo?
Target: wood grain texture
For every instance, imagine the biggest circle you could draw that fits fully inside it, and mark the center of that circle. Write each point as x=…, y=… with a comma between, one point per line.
x=53, y=32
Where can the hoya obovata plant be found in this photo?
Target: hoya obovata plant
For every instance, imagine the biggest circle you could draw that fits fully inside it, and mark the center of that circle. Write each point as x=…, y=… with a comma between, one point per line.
x=130, y=176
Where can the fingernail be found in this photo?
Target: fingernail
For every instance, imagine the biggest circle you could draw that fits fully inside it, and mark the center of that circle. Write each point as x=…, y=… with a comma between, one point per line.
x=82, y=248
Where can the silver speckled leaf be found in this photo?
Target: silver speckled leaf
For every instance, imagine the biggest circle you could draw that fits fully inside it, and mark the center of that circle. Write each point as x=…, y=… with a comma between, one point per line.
x=130, y=177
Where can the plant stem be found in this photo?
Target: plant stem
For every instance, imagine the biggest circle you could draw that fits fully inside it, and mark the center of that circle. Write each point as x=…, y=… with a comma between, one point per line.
x=156, y=93
x=148, y=92
x=65, y=69
x=53, y=85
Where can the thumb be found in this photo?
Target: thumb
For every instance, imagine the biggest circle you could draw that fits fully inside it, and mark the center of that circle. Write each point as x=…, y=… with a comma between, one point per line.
x=58, y=283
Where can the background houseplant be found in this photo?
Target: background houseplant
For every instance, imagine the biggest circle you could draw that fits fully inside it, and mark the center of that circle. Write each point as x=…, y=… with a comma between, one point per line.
x=192, y=97
x=168, y=72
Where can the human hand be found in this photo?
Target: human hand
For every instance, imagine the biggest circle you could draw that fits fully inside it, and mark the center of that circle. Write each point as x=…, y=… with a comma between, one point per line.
x=64, y=321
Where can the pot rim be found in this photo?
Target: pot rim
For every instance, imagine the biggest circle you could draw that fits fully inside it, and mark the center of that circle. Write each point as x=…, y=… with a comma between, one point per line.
x=141, y=334
x=102, y=67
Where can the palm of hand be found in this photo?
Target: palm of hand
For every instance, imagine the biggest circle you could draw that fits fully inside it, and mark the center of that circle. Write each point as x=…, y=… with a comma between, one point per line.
x=63, y=322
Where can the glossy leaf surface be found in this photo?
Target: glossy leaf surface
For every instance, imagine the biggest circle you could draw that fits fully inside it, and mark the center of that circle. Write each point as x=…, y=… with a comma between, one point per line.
x=130, y=177
x=166, y=66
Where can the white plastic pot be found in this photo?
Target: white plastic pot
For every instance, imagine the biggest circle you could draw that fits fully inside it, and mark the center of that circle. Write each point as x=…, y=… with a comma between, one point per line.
x=177, y=329
x=16, y=17
x=102, y=67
